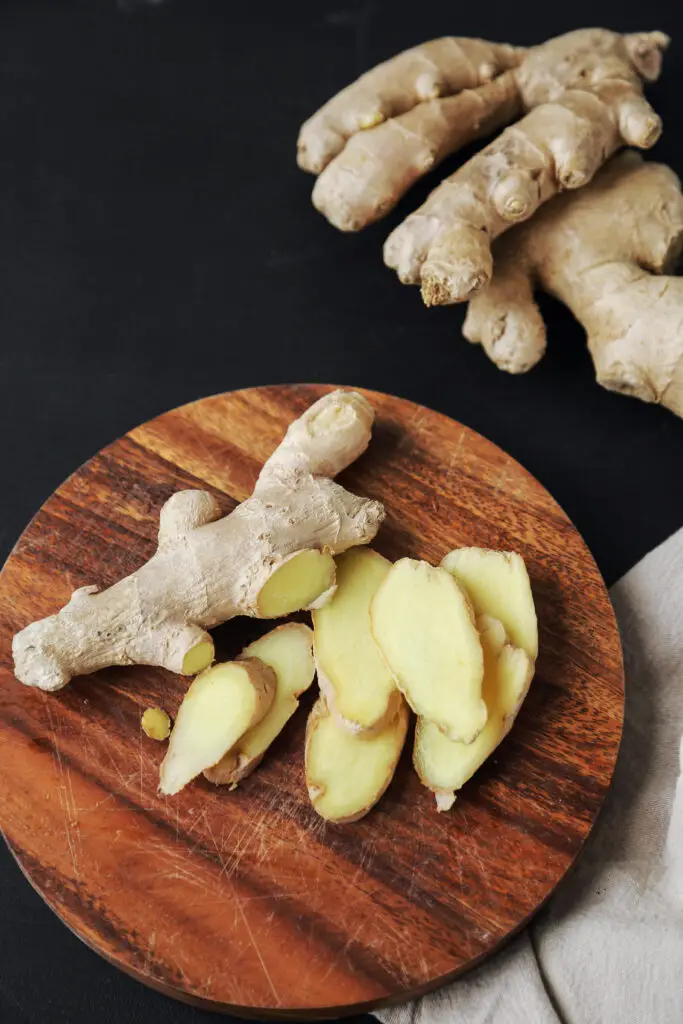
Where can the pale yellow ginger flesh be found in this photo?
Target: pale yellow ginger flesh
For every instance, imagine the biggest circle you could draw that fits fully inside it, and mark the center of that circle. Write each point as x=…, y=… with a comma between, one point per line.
x=346, y=772
x=207, y=569
x=300, y=582
x=424, y=625
x=220, y=706
x=607, y=252
x=354, y=677
x=441, y=67
x=497, y=584
x=443, y=765
x=288, y=651
x=156, y=724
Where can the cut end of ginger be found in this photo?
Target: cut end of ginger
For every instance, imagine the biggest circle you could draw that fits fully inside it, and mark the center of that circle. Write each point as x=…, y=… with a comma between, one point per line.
x=156, y=724
x=346, y=772
x=288, y=651
x=198, y=658
x=497, y=583
x=220, y=706
x=357, y=683
x=424, y=626
x=298, y=583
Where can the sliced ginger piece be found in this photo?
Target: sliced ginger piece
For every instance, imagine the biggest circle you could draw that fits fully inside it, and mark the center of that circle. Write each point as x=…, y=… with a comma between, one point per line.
x=156, y=724
x=222, y=703
x=288, y=651
x=302, y=581
x=497, y=584
x=443, y=765
x=354, y=677
x=424, y=626
x=347, y=772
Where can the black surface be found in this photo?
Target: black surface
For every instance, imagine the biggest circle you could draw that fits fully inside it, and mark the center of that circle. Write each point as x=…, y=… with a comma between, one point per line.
x=157, y=244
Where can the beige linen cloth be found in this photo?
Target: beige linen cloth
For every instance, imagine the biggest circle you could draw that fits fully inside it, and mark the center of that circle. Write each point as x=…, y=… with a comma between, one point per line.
x=609, y=948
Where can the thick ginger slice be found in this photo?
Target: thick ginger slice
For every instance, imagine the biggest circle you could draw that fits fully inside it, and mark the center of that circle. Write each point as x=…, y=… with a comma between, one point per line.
x=583, y=92
x=424, y=625
x=346, y=772
x=288, y=651
x=207, y=569
x=441, y=67
x=606, y=252
x=220, y=706
x=497, y=584
x=445, y=766
x=156, y=724
x=358, y=686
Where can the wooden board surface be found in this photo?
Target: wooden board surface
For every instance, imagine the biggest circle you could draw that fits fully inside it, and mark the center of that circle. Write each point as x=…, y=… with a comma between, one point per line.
x=248, y=902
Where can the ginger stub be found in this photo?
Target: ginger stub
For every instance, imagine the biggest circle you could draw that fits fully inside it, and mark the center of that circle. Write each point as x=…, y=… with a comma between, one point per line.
x=353, y=676
x=347, y=772
x=288, y=651
x=220, y=706
x=424, y=625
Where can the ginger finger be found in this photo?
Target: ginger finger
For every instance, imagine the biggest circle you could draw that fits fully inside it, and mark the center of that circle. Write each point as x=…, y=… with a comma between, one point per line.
x=440, y=67
x=605, y=252
x=208, y=570
x=378, y=166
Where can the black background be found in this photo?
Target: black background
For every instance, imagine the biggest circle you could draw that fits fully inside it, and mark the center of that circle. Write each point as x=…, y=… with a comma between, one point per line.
x=157, y=244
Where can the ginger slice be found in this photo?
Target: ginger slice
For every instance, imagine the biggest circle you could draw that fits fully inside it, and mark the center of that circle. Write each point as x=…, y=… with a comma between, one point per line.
x=346, y=772
x=354, y=677
x=424, y=626
x=443, y=765
x=497, y=584
x=288, y=651
x=222, y=703
x=156, y=724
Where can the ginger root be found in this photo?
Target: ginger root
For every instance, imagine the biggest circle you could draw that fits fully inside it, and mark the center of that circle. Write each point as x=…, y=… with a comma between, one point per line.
x=584, y=94
x=347, y=772
x=424, y=626
x=220, y=706
x=441, y=67
x=272, y=555
x=288, y=651
x=156, y=724
x=606, y=252
x=352, y=674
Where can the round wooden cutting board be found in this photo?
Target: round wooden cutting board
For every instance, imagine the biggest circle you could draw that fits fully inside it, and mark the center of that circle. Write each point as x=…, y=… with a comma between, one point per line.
x=246, y=901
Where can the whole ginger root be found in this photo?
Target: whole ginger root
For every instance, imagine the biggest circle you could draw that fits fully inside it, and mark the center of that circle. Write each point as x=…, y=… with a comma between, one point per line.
x=272, y=555
x=607, y=253
x=582, y=94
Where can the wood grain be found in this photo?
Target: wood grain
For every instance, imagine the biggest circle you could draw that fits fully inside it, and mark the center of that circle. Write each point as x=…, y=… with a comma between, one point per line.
x=246, y=901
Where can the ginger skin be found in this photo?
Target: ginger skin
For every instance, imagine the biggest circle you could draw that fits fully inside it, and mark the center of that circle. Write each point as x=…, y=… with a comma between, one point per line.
x=207, y=569
x=605, y=252
x=584, y=94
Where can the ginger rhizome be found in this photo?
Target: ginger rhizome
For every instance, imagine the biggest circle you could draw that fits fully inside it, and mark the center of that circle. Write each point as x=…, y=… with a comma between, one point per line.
x=583, y=92
x=271, y=556
x=607, y=252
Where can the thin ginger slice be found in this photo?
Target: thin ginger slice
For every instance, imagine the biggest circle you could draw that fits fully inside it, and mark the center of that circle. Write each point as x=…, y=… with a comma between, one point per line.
x=424, y=626
x=222, y=703
x=357, y=683
x=497, y=584
x=288, y=651
x=347, y=772
x=443, y=765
